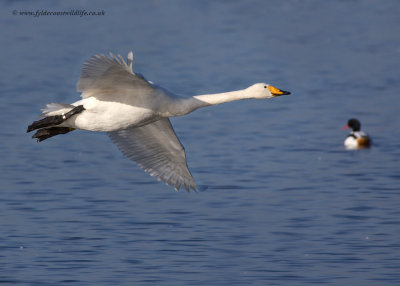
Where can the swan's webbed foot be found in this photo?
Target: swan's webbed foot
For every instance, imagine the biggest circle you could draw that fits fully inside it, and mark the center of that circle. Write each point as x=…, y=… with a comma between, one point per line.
x=50, y=121
x=45, y=133
x=46, y=122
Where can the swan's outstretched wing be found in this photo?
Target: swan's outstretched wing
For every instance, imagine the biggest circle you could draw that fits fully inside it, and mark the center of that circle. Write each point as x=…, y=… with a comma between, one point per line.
x=156, y=149
x=112, y=79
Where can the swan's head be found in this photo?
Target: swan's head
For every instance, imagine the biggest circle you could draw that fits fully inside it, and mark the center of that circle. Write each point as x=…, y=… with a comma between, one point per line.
x=263, y=91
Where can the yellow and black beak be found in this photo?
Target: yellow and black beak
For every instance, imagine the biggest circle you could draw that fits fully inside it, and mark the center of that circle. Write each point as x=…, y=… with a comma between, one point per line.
x=276, y=91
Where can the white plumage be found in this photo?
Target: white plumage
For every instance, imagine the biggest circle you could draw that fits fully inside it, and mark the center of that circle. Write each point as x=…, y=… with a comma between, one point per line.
x=134, y=112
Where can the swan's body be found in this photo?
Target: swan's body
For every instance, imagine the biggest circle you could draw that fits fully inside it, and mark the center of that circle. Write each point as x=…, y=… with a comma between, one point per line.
x=357, y=139
x=134, y=112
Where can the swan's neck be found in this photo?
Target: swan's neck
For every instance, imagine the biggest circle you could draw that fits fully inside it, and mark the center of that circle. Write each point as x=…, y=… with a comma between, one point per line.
x=217, y=98
x=198, y=101
x=184, y=106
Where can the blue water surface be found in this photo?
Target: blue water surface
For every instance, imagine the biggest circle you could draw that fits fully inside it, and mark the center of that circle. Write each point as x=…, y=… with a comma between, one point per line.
x=280, y=202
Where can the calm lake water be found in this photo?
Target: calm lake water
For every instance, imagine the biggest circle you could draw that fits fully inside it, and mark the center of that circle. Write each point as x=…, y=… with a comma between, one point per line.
x=280, y=202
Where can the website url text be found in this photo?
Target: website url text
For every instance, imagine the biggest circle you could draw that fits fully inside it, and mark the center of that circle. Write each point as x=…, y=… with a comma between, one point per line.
x=39, y=13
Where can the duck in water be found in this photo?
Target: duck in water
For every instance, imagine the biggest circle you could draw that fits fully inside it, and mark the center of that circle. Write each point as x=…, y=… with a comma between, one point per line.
x=357, y=139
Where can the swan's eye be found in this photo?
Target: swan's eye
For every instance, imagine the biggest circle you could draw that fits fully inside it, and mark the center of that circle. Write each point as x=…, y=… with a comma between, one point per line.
x=265, y=86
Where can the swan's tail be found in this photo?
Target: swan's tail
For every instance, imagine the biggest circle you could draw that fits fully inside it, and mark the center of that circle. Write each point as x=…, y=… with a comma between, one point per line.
x=54, y=114
x=56, y=109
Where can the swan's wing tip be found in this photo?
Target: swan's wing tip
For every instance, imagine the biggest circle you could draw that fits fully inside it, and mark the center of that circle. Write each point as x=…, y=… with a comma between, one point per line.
x=188, y=186
x=130, y=56
x=130, y=60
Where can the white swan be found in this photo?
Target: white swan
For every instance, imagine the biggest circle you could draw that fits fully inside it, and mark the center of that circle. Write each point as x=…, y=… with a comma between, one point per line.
x=134, y=112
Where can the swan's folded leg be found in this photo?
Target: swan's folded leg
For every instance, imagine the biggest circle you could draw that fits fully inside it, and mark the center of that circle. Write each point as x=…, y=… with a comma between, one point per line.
x=50, y=121
x=45, y=133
